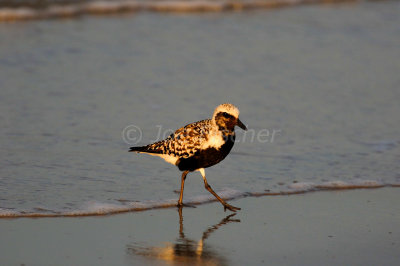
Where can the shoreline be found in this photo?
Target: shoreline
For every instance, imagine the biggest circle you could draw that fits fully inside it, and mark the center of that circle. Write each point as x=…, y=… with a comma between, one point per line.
x=107, y=209
x=65, y=9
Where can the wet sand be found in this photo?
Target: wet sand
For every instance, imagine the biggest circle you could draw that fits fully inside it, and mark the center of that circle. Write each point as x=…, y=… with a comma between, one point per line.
x=356, y=227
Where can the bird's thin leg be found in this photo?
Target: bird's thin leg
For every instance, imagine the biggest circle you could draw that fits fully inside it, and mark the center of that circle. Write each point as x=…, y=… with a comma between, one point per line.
x=182, y=186
x=208, y=187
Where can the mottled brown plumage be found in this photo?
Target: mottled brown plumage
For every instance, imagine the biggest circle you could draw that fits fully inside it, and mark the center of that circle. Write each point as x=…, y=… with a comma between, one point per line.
x=185, y=142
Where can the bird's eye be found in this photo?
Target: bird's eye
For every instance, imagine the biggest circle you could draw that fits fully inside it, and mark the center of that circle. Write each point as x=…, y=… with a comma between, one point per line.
x=226, y=115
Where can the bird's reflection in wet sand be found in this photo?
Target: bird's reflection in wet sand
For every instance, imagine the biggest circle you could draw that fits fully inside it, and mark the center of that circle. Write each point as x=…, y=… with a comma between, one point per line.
x=185, y=250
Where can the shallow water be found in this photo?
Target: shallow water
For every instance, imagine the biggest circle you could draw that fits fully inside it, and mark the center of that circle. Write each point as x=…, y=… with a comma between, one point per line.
x=322, y=81
x=16, y=10
x=332, y=227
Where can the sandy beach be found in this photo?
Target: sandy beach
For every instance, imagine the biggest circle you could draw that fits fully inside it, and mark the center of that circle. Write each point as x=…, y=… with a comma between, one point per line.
x=355, y=227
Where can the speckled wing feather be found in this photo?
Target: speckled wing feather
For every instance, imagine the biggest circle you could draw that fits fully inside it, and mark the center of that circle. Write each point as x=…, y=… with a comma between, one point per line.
x=185, y=142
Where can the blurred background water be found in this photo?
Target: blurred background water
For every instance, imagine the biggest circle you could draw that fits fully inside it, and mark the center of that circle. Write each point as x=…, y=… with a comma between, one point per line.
x=321, y=83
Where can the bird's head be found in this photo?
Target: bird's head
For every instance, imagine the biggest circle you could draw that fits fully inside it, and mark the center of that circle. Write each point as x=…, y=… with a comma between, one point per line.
x=226, y=116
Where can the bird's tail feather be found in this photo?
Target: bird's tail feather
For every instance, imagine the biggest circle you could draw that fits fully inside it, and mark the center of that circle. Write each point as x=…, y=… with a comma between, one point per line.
x=144, y=149
x=137, y=149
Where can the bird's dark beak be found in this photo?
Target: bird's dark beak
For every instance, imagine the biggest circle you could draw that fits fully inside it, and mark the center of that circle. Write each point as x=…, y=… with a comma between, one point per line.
x=241, y=125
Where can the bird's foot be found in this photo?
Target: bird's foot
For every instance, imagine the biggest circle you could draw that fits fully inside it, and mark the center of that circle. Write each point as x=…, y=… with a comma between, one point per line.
x=231, y=208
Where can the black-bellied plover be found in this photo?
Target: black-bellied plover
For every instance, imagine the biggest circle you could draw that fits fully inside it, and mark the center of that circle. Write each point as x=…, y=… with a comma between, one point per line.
x=199, y=145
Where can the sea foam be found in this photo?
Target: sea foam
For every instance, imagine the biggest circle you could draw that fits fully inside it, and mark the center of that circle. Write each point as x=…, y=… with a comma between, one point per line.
x=74, y=9
x=97, y=208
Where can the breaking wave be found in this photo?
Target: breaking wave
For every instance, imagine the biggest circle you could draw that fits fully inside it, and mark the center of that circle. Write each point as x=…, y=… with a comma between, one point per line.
x=94, y=208
x=28, y=10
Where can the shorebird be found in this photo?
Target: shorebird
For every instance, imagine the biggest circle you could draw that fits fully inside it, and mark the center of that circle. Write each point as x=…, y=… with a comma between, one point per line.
x=199, y=145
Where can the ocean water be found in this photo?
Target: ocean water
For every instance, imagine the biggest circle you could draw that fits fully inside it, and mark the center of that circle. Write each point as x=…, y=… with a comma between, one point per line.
x=317, y=86
x=15, y=10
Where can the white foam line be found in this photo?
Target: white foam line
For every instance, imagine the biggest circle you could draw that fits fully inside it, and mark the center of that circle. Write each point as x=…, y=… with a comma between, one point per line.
x=302, y=186
x=338, y=184
x=8, y=213
x=98, y=208
x=353, y=184
x=183, y=6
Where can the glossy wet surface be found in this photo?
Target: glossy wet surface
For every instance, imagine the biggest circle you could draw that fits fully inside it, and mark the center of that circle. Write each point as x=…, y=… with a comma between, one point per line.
x=330, y=228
